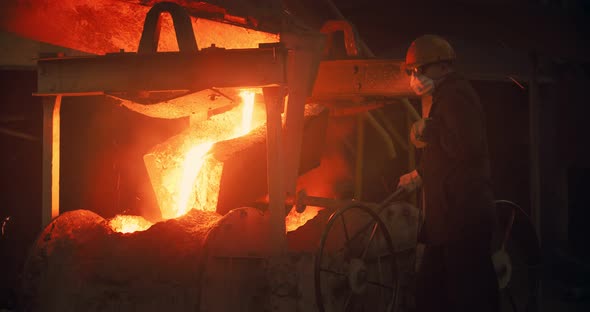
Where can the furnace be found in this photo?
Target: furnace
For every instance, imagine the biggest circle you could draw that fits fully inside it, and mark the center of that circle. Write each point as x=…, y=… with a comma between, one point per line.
x=235, y=232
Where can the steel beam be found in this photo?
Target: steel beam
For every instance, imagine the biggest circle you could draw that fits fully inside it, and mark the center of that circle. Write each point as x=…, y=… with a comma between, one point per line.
x=128, y=72
x=213, y=67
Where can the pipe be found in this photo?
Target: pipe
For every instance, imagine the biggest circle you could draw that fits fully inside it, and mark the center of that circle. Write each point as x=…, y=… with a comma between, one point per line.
x=394, y=133
x=18, y=134
x=389, y=146
x=413, y=113
x=303, y=200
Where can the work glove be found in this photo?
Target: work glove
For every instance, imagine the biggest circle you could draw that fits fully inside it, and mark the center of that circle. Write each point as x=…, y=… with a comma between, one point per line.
x=410, y=181
x=422, y=131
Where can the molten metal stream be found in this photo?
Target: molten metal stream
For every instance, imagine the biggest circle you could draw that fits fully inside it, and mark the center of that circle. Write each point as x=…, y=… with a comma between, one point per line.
x=195, y=161
x=248, y=110
x=186, y=176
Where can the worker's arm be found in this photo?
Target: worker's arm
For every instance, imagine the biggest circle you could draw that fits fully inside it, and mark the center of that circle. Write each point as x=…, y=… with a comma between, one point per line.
x=460, y=127
x=410, y=181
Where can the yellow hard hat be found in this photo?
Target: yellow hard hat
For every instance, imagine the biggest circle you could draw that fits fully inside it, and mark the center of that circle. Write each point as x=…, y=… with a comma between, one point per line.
x=428, y=49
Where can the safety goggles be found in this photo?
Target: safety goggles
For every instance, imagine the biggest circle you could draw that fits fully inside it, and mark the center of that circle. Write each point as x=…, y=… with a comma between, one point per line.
x=415, y=70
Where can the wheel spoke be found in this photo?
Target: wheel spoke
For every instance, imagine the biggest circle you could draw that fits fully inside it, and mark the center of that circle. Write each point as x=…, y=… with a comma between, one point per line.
x=523, y=268
x=356, y=244
x=378, y=284
x=370, y=240
x=359, y=232
x=332, y=272
x=380, y=271
x=346, y=235
x=377, y=258
x=347, y=302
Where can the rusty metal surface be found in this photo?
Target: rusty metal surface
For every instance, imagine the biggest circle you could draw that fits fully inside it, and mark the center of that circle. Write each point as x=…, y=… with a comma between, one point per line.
x=119, y=72
x=260, y=10
x=104, y=26
x=197, y=106
x=242, y=232
x=78, y=262
x=351, y=79
x=350, y=36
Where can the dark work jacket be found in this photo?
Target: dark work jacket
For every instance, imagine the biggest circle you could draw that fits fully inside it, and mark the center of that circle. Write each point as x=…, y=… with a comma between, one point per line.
x=454, y=166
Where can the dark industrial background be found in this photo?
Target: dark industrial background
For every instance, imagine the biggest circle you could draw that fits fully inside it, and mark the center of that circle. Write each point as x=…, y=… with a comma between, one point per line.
x=497, y=42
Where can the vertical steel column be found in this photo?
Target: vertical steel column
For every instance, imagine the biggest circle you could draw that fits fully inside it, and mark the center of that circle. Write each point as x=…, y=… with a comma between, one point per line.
x=305, y=50
x=534, y=174
x=534, y=124
x=50, y=167
x=274, y=101
x=360, y=157
x=295, y=116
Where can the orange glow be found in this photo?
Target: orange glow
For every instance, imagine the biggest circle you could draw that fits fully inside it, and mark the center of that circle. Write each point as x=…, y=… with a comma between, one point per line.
x=129, y=224
x=114, y=25
x=248, y=109
x=322, y=180
x=183, y=172
x=294, y=220
x=55, y=157
x=193, y=162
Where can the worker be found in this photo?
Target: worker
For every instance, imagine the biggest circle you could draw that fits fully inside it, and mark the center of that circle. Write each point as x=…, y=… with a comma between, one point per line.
x=456, y=272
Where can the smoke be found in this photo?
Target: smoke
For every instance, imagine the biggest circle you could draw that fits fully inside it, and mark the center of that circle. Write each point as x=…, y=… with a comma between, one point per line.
x=333, y=178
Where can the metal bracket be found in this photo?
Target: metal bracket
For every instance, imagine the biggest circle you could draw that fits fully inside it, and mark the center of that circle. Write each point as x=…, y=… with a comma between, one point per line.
x=350, y=37
x=182, y=27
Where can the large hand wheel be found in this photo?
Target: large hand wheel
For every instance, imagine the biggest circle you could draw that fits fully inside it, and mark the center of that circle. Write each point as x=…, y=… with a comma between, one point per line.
x=518, y=259
x=355, y=267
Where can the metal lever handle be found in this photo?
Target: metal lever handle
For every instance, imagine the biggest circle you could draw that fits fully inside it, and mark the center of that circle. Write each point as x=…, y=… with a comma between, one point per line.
x=303, y=200
x=182, y=26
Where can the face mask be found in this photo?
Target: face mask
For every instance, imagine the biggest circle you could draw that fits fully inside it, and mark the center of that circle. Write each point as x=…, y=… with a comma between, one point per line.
x=421, y=84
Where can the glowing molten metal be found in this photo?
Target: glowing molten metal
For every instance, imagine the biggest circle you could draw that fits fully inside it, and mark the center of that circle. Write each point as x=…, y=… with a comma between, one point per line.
x=184, y=173
x=295, y=220
x=248, y=109
x=129, y=224
x=193, y=162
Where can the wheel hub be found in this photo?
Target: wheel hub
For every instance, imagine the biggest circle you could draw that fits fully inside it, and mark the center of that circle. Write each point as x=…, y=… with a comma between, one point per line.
x=503, y=267
x=357, y=276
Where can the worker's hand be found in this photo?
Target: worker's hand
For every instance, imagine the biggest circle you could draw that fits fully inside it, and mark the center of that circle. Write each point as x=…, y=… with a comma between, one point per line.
x=416, y=133
x=410, y=181
x=424, y=131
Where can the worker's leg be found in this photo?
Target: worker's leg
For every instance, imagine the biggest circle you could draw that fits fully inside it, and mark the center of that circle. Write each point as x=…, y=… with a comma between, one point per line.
x=430, y=281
